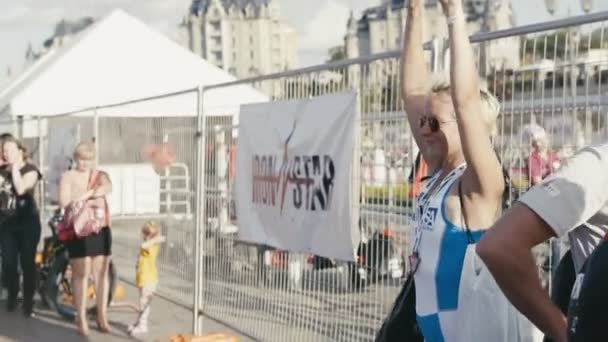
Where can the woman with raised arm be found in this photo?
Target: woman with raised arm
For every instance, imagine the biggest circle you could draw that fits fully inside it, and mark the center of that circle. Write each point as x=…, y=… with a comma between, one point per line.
x=452, y=123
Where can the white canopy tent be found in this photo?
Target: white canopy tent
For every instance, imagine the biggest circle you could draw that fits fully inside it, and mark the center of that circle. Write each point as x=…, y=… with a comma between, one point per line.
x=120, y=59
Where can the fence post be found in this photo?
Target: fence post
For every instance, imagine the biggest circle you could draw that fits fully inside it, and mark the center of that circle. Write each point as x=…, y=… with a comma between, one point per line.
x=96, y=135
x=197, y=324
x=41, y=151
x=436, y=55
x=20, y=129
x=167, y=173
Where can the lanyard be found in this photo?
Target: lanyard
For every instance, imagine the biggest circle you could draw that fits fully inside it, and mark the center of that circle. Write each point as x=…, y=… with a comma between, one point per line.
x=424, y=200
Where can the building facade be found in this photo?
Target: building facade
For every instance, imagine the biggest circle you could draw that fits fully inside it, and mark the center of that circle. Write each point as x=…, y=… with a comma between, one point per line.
x=244, y=37
x=380, y=28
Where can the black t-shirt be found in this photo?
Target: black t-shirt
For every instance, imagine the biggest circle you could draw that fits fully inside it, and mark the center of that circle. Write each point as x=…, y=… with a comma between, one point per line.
x=26, y=203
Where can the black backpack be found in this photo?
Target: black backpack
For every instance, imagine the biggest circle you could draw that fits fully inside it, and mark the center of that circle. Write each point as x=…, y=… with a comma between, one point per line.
x=401, y=324
x=510, y=193
x=589, y=299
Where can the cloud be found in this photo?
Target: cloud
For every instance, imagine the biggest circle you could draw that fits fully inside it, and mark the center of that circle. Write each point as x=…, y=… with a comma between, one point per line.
x=43, y=12
x=326, y=28
x=319, y=24
x=23, y=15
x=13, y=14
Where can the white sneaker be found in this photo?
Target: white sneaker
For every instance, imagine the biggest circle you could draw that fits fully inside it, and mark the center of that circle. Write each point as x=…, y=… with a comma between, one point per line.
x=138, y=330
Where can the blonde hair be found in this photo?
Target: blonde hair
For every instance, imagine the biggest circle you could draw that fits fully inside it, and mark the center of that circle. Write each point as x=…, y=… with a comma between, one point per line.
x=84, y=151
x=490, y=107
x=150, y=229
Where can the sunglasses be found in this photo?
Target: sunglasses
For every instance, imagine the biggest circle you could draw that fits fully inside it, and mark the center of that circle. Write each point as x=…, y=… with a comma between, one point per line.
x=433, y=123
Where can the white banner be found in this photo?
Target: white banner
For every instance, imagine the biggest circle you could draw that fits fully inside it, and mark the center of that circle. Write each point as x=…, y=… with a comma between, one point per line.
x=294, y=178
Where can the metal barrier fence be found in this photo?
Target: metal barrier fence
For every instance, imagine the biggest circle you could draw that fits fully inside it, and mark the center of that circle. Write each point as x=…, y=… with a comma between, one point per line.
x=556, y=82
x=126, y=139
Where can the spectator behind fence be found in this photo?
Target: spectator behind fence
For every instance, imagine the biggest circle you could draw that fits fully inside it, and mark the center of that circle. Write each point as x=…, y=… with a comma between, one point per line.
x=146, y=277
x=78, y=187
x=456, y=300
x=417, y=176
x=20, y=227
x=3, y=137
x=541, y=162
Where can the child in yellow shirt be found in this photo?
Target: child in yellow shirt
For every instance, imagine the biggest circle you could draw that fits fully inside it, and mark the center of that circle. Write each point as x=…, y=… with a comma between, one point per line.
x=146, y=278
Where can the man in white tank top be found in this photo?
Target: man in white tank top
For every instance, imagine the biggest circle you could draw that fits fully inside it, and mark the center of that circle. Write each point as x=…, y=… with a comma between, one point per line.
x=452, y=123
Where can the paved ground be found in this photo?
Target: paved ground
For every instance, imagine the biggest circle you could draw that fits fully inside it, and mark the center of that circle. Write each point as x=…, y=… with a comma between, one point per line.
x=270, y=307
x=318, y=309
x=166, y=319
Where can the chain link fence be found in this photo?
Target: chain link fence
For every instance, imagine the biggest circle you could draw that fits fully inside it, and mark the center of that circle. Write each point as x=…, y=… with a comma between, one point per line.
x=151, y=161
x=548, y=77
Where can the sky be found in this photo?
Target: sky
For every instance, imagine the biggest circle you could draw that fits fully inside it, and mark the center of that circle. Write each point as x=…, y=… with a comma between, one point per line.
x=319, y=24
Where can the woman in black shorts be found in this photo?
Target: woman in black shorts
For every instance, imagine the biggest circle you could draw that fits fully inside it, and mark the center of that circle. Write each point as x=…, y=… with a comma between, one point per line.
x=93, y=251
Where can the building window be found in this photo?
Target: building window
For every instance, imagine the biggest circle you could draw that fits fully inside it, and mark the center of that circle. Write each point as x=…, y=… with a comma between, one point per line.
x=382, y=43
x=234, y=56
x=215, y=27
x=233, y=42
x=251, y=54
x=251, y=40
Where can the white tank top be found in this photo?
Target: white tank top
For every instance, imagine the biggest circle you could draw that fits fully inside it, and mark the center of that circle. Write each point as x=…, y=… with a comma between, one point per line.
x=457, y=299
x=440, y=246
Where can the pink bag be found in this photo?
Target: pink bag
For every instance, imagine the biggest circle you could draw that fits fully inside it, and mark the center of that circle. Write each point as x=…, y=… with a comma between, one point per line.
x=90, y=216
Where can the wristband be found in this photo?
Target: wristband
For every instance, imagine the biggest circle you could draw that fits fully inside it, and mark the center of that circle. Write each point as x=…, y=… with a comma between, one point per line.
x=452, y=19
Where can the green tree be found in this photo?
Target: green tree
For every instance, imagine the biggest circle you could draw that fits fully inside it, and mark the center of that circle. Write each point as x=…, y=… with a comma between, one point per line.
x=553, y=45
x=336, y=53
x=598, y=39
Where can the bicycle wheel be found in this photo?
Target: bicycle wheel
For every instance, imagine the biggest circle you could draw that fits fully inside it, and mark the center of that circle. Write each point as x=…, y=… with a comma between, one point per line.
x=112, y=283
x=57, y=289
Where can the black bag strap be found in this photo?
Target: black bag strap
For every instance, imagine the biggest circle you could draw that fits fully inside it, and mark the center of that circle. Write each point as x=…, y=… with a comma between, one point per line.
x=464, y=213
x=415, y=169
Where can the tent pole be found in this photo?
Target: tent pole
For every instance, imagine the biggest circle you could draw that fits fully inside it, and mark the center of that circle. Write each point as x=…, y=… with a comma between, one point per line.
x=199, y=216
